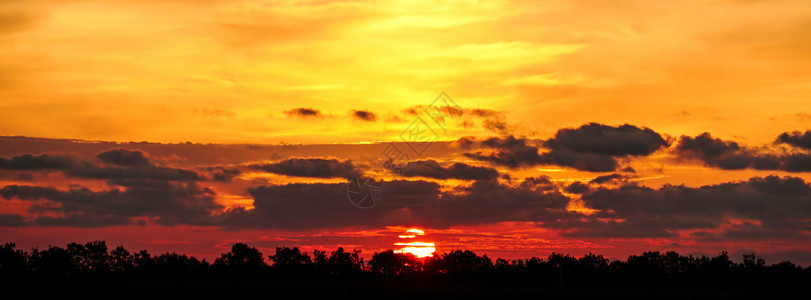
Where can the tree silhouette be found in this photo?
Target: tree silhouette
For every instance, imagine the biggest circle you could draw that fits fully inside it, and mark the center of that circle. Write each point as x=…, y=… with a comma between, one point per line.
x=121, y=260
x=54, y=261
x=341, y=261
x=241, y=258
x=752, y=261
x=390, y=263
x=12, y=261
x=178, y=264
x=78, y=263
x=290, y=259
x=461, y=262
x=320, y=261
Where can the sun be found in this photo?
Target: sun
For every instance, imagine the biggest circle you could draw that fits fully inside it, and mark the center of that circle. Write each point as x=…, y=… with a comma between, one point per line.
x=420, y=249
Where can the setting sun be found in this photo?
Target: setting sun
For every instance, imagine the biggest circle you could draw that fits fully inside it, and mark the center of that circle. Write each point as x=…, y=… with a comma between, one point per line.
x=418, y=248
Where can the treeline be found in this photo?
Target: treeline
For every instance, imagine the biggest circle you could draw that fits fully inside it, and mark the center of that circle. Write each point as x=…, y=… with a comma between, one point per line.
x=95, y=260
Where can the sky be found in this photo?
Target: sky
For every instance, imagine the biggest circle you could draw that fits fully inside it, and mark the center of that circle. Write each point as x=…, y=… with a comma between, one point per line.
x=524, y=127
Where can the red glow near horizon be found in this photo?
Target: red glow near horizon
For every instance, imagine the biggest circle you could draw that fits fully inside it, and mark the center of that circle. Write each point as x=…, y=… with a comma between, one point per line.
x=418, y=248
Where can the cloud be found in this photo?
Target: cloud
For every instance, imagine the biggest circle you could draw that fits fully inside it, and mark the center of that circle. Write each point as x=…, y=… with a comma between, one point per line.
x=796, y=139
x=432, y=169
x=514, y=152
x=594, y=138
x=580, y=161
x=591, y=147
x=303, y=112
x=122, y=164
x=364, y=115
x=608, y=178
x=38, y=162
x=729, y=155
x=760, y=207
x=507, y=151
x=594, y=147
x=491, y=120
x=321, y=205
x=168, y=203
x=705, y=147
x=223, y=174
x=310, y=167
x=124, y=157
x=11, y=220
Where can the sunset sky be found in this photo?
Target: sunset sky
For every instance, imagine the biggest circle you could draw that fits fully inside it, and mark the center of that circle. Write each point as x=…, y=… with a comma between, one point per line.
x=611, y=127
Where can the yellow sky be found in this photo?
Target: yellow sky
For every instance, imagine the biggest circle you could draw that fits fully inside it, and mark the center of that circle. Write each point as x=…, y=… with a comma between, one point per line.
x=225, y=71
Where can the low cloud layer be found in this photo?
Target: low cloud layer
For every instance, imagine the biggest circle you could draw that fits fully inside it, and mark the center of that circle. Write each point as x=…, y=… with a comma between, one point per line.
x=110, y=165
x=310, y=167
x=164, y=202
x=761, y=207
x=432, y=169
x=591, y=147
x=729, y=155
x=137, y=188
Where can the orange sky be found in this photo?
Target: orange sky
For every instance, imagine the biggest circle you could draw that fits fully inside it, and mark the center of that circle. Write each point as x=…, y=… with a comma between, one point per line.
x=224, y=71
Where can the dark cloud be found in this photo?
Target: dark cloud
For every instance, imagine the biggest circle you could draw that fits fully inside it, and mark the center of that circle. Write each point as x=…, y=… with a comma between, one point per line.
x=796, y=139
x=124, y=157
x=38, y=162
x=591, y=147
x=508, y=151
x=11, y=220
x=147, y=172
x=513, y=152
x=580, y=161
x=594, y=147
x=465, y=142
x=223, y=174
x=123, y=164
x=797, y=162
x=608, y=178
x=303, y=112
x=764, y=206
x=594, y=138
x=320, y=205
x=432, y=169
x=729, y=155
x=310, y=167
x=498, y=126
x=705, y=147
x=533, y=183
x=168, y=203
x=577, y=187
x=364, y=115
